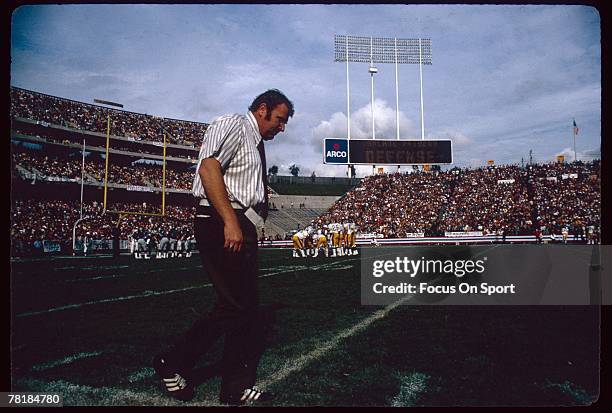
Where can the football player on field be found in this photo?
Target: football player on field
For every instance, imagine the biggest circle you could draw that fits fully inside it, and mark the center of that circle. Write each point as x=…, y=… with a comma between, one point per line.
x=347, y=238
x=341, y=240
x=298, y=244
x=321, y=242
x=354, y=238
x=308, y=245
x=335, y=237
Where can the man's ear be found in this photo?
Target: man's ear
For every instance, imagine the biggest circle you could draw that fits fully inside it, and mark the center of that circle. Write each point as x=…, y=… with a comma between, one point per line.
x=262, y=110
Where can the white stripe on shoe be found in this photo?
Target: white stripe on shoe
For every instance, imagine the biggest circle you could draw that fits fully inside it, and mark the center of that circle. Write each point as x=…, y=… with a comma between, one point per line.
x=251, y=394
x=175, y=383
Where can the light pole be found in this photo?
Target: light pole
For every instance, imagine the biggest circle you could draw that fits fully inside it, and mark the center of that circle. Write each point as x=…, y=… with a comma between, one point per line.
x=372, y=69
x=82, y=176
x=383, y=50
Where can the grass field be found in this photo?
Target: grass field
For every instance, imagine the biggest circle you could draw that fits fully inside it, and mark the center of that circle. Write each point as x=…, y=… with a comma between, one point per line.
x=87, y=328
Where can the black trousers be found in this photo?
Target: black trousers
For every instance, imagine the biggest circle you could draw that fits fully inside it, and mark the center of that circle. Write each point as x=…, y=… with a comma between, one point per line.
x=235, y=313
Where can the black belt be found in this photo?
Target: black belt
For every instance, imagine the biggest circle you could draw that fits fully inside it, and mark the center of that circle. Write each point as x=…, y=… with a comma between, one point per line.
x=204, y=202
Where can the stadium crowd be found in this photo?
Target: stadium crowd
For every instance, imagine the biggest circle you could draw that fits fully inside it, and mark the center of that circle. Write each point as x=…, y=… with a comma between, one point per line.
x=36, y=220
x=543, y=199
x=392, y=205
x=54, y=110
x=70, y=168
x=510, y=200
x=139, y=147
x=566, y=196
x=488, y=200
x=550, y=198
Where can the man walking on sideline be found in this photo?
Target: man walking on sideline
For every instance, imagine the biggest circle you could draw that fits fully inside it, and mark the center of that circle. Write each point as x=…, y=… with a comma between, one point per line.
x=232, y=204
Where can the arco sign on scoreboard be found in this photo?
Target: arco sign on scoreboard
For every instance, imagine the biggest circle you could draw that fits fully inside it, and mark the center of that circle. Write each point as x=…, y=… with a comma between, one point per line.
x=387, y=152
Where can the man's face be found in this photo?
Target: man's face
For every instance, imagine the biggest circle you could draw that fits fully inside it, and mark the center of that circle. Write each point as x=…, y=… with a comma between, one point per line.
x=271, y=122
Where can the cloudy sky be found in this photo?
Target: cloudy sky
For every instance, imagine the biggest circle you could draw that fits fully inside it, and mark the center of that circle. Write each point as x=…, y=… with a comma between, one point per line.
x=505, y=79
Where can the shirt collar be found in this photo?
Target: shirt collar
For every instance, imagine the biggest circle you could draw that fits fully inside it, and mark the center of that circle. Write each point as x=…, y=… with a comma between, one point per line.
x=253, y=123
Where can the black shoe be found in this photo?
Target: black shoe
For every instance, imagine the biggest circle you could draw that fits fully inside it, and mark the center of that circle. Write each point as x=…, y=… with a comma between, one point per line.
x=248, y=396
x=175, y=384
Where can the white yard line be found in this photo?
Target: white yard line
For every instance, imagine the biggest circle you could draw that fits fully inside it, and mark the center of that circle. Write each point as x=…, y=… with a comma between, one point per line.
x=107, y=396
x=141, y=374
x=110, y=300
x=297, y=364
x=102, y=267
x=166, y=292
x=101, y=277
x=65, y=360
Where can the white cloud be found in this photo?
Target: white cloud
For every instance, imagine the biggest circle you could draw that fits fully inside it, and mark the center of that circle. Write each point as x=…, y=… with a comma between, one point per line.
x=587, y=155
x=505, y=79
x=361, y=124
x=459, y=139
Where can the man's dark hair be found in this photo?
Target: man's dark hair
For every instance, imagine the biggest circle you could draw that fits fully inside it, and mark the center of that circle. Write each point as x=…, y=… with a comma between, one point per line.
x=272, y=98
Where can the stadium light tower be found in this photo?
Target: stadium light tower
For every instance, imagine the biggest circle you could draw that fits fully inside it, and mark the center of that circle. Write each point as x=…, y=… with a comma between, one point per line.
x=372, y=69
x=383, y=50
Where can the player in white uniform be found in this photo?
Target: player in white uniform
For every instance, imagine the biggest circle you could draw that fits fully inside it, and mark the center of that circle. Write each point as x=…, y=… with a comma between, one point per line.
x=298, y=244
x=564, y=234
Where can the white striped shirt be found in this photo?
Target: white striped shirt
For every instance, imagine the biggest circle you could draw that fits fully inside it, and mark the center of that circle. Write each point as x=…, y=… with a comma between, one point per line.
x=233, y=140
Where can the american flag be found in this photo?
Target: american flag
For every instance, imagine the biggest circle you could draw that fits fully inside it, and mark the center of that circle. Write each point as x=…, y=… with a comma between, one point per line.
x=575, y=128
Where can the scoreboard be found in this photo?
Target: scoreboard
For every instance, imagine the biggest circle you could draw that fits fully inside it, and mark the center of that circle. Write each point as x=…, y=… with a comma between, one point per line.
x=387, y=152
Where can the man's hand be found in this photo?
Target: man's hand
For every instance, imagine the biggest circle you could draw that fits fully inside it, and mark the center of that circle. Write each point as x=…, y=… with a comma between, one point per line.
x=233, y=236
x=212, y=180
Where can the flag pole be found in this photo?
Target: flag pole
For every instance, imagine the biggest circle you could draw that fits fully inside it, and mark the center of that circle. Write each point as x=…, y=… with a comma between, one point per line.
x=575, y=145
x=575, y=129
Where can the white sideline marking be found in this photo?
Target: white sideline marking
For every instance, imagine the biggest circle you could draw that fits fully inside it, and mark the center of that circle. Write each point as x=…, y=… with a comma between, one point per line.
x=149, y=293
x=65, y=360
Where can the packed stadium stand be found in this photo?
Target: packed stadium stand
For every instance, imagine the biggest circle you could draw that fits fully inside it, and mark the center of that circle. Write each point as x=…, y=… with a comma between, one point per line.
x=48, y=134
x=515, y=200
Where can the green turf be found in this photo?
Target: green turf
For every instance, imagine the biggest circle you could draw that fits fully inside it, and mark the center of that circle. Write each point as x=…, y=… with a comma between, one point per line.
x=457, y=356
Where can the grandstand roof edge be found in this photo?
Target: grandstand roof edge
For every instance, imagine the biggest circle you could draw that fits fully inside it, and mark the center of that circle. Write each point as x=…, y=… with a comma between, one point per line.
x=98, y=106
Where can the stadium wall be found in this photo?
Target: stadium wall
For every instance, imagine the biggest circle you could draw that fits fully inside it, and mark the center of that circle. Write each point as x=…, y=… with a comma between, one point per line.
x=309, y=201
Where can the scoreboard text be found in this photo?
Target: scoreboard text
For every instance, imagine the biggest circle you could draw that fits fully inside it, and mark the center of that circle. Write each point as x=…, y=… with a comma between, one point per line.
x=388, y=152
